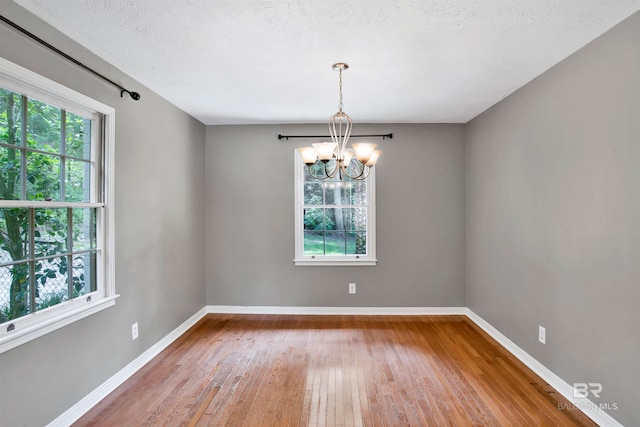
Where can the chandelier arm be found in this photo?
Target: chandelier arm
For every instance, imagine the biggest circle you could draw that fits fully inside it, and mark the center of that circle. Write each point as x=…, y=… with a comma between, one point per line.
x=364, y=175
x=340, y=128
x=347, y=132
x=332, y=174
x=327, y=174
x=339, y=136
x=332, y=130
x=314, y=175
x=367, y=174
x=361, y=175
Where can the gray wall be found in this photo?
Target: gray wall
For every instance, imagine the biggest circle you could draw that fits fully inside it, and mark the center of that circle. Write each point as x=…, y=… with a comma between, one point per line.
x=159, y=239
x=420, y=221
x=552, y=215
x=553, y=211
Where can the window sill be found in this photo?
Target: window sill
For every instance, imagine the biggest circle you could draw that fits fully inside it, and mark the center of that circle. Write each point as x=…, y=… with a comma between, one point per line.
x=49, y=323
x=325, y=262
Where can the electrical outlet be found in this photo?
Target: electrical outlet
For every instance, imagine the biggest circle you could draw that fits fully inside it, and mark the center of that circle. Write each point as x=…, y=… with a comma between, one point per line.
x=352, y=288
x=134, y=331
x=542, y=334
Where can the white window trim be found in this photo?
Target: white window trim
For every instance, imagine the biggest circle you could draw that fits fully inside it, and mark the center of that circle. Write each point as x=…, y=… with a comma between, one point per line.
x=35, y=325
x=323, y=260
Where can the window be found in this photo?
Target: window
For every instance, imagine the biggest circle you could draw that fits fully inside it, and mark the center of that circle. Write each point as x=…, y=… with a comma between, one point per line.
x=334, y=219
x=55, y=223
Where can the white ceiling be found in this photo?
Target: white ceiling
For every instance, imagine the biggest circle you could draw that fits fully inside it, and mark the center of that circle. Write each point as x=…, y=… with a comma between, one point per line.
x=269, y=61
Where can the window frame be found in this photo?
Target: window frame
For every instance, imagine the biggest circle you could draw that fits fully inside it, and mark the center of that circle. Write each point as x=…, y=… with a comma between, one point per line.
x=34, y=325
x=369, y=259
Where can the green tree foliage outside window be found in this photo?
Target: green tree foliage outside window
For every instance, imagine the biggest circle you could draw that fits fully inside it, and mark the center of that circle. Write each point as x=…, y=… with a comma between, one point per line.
x=47, y=254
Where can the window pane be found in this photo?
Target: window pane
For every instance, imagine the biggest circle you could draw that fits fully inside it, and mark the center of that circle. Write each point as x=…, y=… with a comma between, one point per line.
x=14, y=292
x=335, y=243
x=333, y=192
x=354, y=219
x=357, y=243
x=84, y=229
x=346, y=219
x=77, y=186
x=314, y=242
x=314, y=219
x=313, y=193
x=334, y=219
x=355, y=193
x=43, y=126
x=51, y=282
x=344, y=193
x=84, y=273
x=43, y=177
x=51, y=232
x=78, y=135
x=10, y=173
x=10, y=117
x=360, y=219
x=14, y=234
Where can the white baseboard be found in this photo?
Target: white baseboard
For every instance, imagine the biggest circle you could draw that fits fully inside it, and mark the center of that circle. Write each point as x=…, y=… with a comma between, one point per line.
x=235, y=309
x=74, y=413
x=590, y=409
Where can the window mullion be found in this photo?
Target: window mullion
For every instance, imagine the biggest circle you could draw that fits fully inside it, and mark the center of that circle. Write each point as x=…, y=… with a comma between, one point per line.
x=324, y=218
x=344, y=228
x=70, y=250
x=32, y=262
x=98, y=155
x=324, y=226
x=23, y=157
x=63, y=168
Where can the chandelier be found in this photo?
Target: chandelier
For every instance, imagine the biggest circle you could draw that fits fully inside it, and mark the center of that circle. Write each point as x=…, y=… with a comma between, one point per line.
x=354, y=164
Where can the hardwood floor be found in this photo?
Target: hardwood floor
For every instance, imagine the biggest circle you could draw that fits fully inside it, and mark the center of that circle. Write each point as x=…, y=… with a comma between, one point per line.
x=284, y=370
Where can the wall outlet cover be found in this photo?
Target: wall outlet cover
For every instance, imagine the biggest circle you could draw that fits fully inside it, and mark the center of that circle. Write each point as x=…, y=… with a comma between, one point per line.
x=134, y=331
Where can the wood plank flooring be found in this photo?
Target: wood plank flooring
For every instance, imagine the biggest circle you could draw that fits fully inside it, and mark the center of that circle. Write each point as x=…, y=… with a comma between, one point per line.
x=285, y=370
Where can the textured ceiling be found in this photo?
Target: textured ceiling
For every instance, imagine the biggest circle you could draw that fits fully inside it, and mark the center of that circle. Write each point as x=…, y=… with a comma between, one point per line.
x=269, y=61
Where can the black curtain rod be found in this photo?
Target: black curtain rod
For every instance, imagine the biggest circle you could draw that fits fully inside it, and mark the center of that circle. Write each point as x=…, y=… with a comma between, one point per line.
x=383, y=136
x=134, y=95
